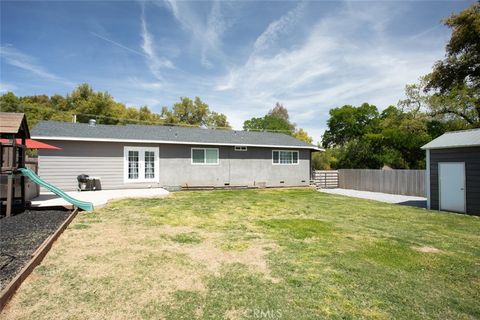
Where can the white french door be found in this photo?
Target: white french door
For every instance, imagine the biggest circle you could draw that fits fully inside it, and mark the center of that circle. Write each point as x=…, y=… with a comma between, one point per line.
x=141, y=164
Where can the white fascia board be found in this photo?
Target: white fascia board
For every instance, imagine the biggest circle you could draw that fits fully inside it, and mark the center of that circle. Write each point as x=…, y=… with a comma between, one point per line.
x=173, y=142
x=427, y=178
x=450, y=147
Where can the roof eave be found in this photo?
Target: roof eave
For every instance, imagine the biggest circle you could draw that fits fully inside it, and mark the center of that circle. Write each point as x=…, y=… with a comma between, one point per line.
x=426, y=147
x=312, y=147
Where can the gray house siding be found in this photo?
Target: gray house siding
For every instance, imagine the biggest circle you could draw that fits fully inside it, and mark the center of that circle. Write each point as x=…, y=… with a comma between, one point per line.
x=105, y=160
x=471, y=157
x=235, y=168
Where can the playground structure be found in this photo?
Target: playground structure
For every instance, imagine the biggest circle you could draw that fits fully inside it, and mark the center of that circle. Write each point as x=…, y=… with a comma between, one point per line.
x=13, y=126
x=14, y=133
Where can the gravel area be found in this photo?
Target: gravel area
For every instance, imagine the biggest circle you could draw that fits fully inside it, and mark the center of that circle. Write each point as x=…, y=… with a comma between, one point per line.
x=21, y=235
x=379, y=196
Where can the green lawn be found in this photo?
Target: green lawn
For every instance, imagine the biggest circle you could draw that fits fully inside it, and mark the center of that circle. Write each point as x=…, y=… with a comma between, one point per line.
x=258, y=254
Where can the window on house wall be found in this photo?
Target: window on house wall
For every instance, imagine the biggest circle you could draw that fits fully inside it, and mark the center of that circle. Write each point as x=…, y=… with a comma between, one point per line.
x=284, y=157
x=240, y=148
x=141, y=164
x=204, y=156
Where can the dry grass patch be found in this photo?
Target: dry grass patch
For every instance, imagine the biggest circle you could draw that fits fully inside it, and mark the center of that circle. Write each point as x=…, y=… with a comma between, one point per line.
x=211, y=254
x=235, y=314
x=214, y=258
x=428, y=249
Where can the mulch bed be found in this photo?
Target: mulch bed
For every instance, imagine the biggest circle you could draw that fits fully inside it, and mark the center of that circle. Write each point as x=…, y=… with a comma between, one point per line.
x=21, y=235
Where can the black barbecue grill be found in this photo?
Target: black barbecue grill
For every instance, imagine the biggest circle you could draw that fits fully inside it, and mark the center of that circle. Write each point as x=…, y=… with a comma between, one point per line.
x=86, y=183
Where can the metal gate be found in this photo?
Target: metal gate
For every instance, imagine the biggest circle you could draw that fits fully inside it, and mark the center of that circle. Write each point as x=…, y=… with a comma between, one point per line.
x=325, y=179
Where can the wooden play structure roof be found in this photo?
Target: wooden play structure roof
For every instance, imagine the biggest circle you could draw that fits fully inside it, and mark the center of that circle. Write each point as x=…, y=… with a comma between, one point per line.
x=14, y=123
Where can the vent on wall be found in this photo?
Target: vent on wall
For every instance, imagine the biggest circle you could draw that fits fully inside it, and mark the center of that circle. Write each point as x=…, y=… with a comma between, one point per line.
x=261, y=184
x=240, y=148
x=282, y=181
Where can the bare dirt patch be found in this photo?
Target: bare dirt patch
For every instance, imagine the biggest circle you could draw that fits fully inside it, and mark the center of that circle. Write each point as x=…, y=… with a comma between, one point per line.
x=235, y=314
x=428, y=249
x=213, y=258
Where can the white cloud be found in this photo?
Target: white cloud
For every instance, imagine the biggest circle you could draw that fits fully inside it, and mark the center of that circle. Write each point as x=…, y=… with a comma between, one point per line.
x=263, y=69
x=138, y=83
x=23, y=61
x=206, y=31
x=279, y=27
x=118, y=44
x=213, y=31
x=155, y=62
x=424, y=33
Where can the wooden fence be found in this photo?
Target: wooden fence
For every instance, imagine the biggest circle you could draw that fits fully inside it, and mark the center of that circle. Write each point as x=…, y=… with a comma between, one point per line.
x=325, y=178
x=404, y=182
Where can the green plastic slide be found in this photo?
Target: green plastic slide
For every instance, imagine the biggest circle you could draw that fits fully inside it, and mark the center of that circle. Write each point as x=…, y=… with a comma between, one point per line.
x=87, y=206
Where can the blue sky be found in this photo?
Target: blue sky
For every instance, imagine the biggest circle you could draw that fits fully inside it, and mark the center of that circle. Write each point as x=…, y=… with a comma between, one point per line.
x=239, y=56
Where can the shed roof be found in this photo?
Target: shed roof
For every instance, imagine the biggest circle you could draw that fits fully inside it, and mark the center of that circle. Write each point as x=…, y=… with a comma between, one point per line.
x=14, y=123
x=55, y=130
x=455, y=139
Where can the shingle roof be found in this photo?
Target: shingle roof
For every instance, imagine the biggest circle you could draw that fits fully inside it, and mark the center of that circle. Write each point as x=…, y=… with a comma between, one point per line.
x=12, y=122
x=455, y=139
x=55, y=130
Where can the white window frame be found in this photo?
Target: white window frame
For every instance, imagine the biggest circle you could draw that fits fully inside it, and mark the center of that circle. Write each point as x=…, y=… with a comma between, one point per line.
x=286, y=164
x=141, y=164
x=240, y=148
x=205, y=158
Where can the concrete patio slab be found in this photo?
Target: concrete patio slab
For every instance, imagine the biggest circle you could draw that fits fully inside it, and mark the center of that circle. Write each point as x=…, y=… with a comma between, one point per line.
x=98, y=198
x=378, y=196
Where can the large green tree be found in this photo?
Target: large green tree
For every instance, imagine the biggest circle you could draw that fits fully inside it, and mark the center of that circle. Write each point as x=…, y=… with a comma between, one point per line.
x=403, y=134
x=281, y=112
x=277, y=120
x=194, y=113
x=301, y=134
x=362, y=153
x=325, y=160
x=393, y=137
x=268, y=123
x=419, y=103
x=217, y=120
x=349, y=122
x=455, y=80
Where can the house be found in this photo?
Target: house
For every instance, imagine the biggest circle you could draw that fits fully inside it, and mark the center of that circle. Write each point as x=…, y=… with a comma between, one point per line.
x=140, y=156
x=453, y=172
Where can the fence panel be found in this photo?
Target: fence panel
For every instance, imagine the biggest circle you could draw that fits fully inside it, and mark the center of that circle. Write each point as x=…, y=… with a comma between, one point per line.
x=325, y=178
x=404, y=182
